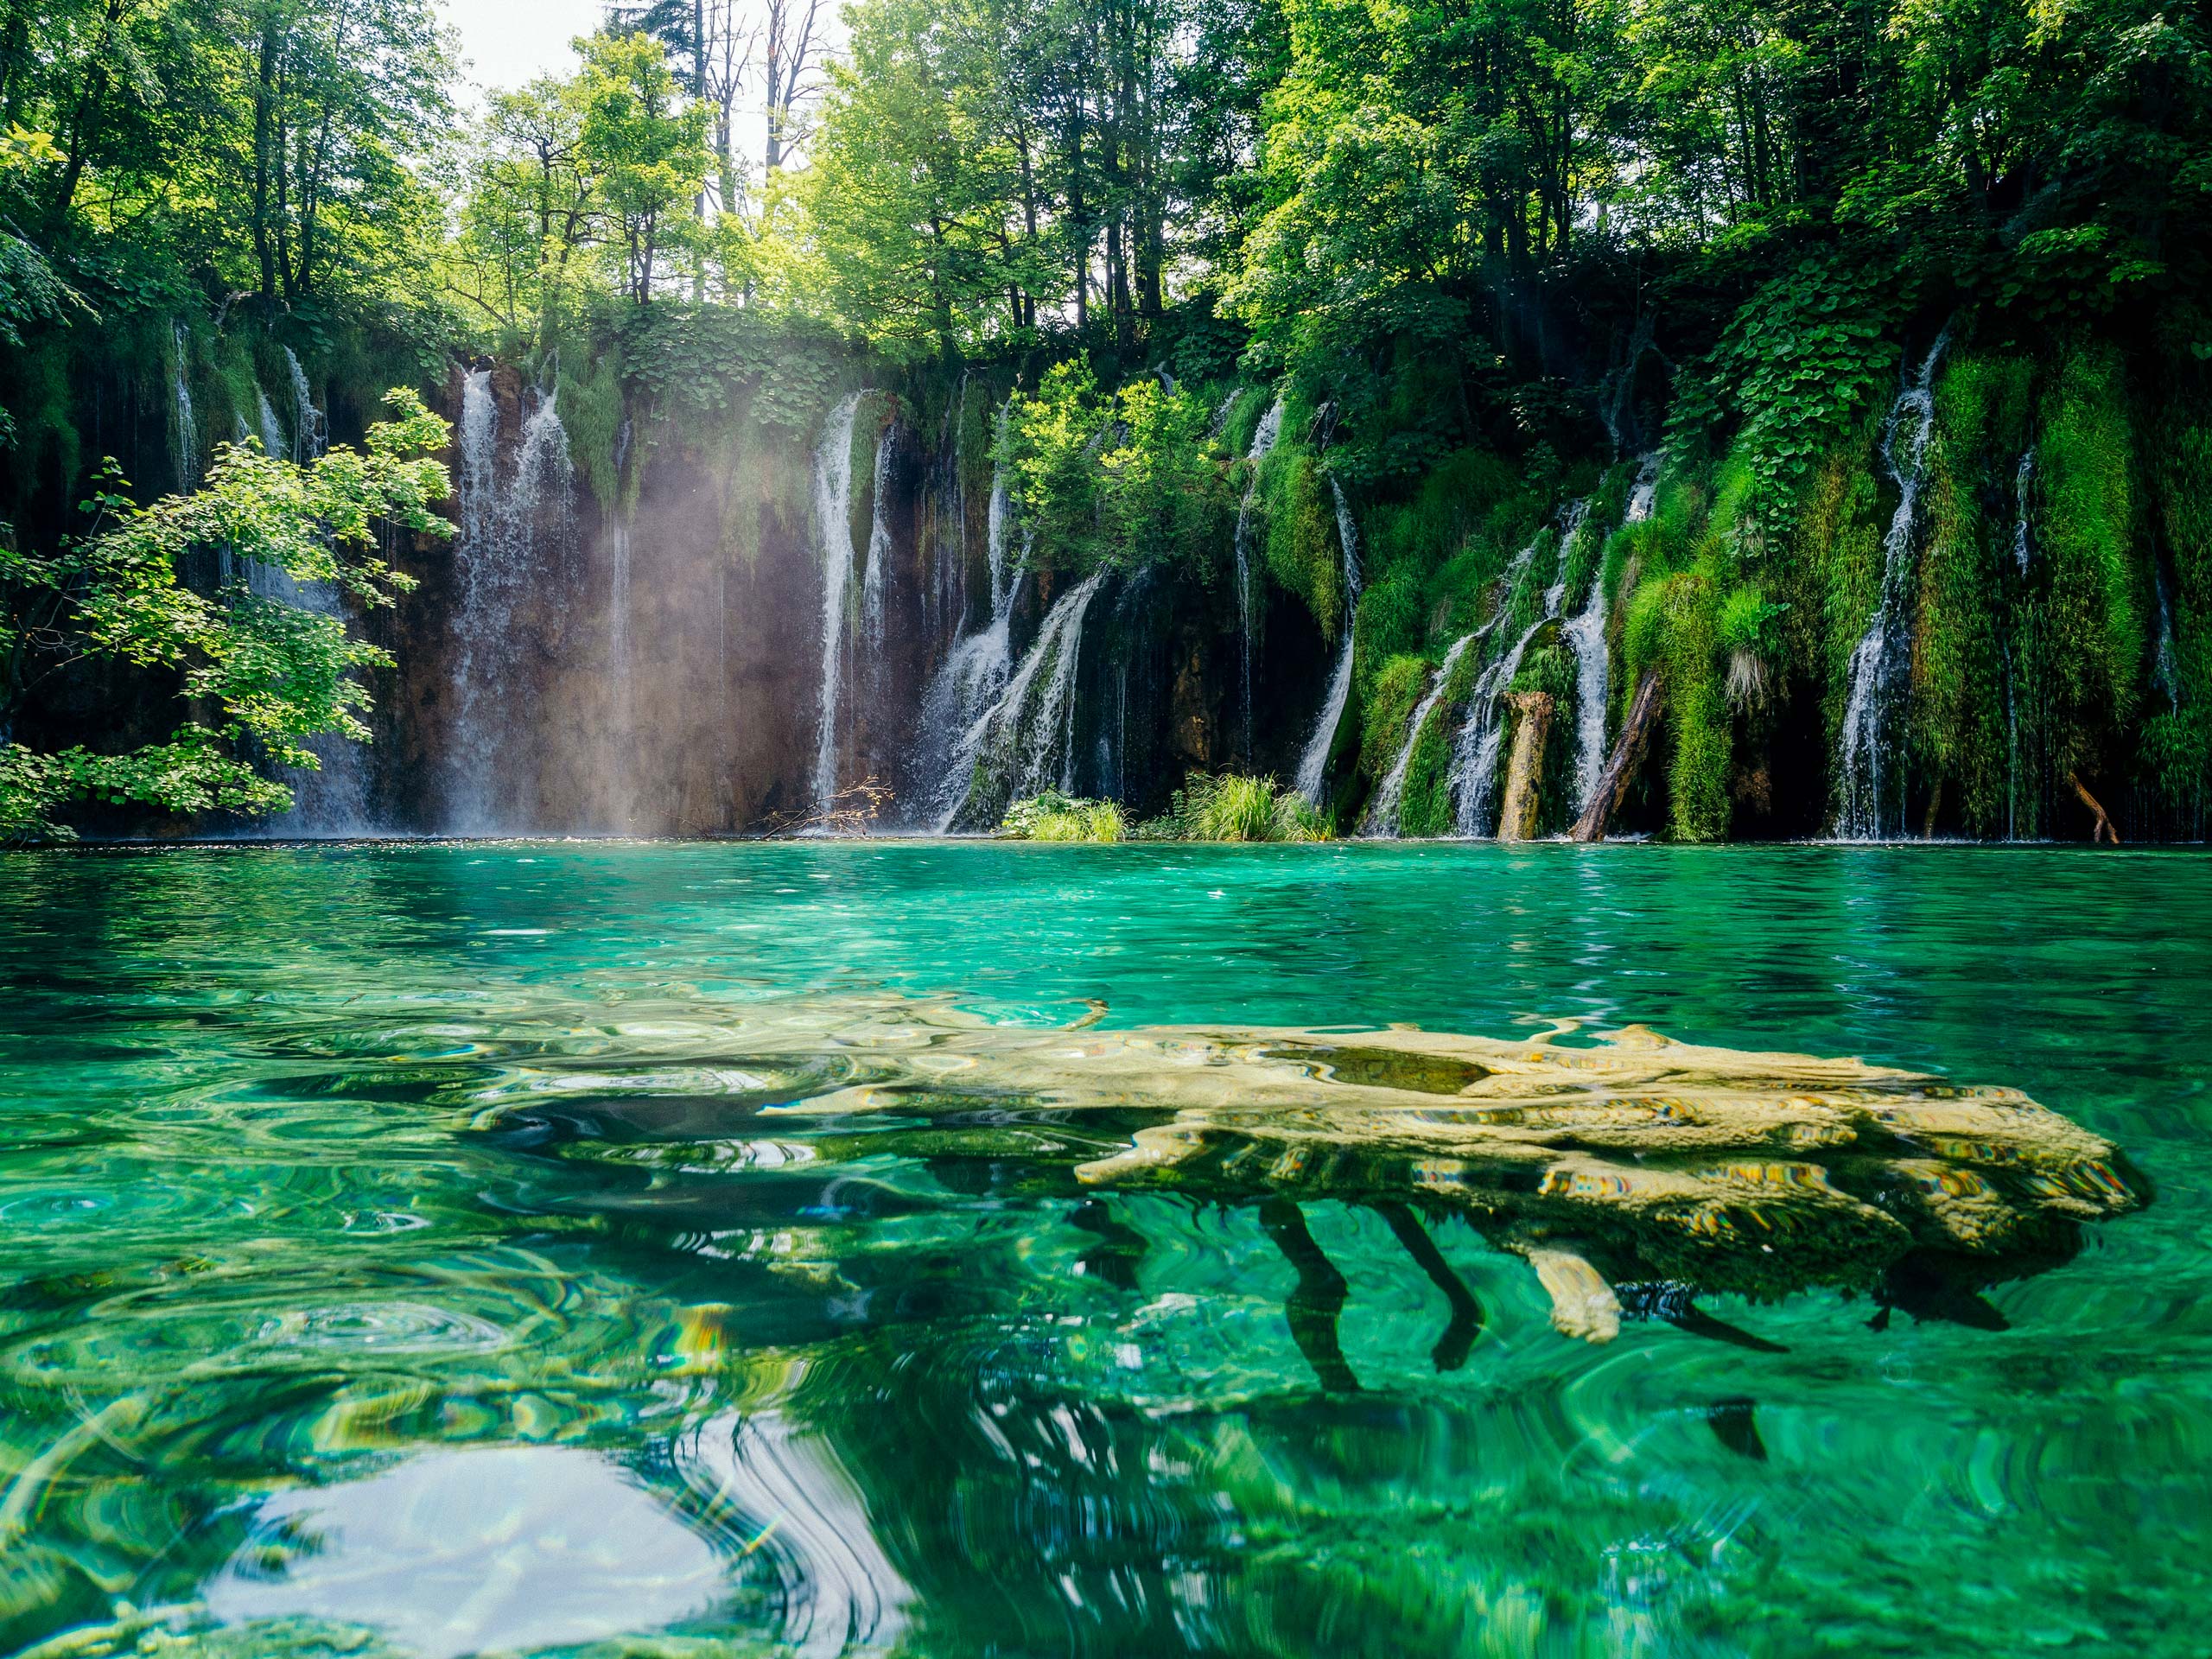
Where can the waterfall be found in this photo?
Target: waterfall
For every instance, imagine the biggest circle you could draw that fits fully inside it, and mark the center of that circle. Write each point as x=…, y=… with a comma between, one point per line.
x=946, y=595
x=498, y=556
x=2165, y=672
x=2020, y=508
x=1314, y=763
x=878, y=547
x=1474, y=755
x=833, y=485
x=1263, y=440
x=1586, y=635
x=1381, y=817
x=272, y=430
x=618, y=613
x=968, y=682
x=187, y=428
x=310, y=431
x=1025, y=742
x=1643, y=494
x=1879, y=662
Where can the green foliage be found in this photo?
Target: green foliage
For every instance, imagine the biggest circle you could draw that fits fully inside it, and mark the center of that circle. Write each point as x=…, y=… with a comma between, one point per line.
x=1803, y=356
x=1123, y=480
x=1055, y=816
x=253, y=670
x=1231, y=807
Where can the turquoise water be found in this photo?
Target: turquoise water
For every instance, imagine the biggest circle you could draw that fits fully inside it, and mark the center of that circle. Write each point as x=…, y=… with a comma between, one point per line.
x=417, y=1250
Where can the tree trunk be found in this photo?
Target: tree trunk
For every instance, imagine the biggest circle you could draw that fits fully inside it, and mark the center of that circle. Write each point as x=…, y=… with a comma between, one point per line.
x=2104, y=830
x=1524, y=773
x=1621, y=765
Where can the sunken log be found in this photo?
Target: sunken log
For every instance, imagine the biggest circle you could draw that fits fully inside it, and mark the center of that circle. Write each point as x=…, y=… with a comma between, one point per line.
x=1621, y=764
x=1532, y=724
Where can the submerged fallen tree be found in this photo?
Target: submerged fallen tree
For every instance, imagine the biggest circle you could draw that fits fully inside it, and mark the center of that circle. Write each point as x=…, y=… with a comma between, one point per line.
x=1633, y=1175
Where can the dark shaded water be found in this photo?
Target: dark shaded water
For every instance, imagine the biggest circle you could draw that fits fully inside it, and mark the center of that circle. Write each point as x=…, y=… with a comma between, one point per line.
x=401, y=1252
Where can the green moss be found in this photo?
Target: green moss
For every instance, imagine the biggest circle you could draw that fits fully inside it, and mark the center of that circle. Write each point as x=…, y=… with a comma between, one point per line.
x=1300, y=548
x=1398, y=686
x=590, y=395
x=2181, y=470
x=2085, y=514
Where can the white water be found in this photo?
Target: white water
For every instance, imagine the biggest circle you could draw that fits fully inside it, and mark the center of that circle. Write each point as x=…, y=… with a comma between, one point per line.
x=1586, y=635
x=1381, y=817
x=272, y=429
x=1025, y=740
x=879, y=546
x=310, y=431
x=504, y=534
x=1475, y=753
x=1879, y=662
x=2020, y=480
x=2165, y=673
x=1263, y=440
x=618, y=615
x=970, y=682
x=1314, y=763
x=187, y=428
x=833, y=534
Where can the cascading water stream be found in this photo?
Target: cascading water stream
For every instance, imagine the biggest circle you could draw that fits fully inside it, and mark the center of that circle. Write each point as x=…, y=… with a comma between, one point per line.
x=1473, y=776
x=1263, y=440
x=1879, y=662
x=272, y=429
x=878, y=547
x=1314, y=763
x=1025, y=742
x=187, y=426
x=310, y=430
x=2165, y=669
x=968, y=682
x=2020, y=481
x=1382, y=818
x=1585, y=633
x=833, y=483
x=504, y=534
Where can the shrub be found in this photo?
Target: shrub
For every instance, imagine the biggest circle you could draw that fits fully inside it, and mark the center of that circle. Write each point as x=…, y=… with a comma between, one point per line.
x=1231, y=807
x=1055, y=816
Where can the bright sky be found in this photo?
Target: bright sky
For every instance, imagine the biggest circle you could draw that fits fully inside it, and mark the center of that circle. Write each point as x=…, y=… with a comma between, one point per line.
x=507, y=42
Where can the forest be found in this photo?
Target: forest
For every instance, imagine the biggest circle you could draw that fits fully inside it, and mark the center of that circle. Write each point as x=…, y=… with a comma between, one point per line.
x=1802, y=412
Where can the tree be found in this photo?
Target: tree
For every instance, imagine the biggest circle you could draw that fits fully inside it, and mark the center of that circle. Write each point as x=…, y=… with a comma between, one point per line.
x=647, y=147
x=257, y=673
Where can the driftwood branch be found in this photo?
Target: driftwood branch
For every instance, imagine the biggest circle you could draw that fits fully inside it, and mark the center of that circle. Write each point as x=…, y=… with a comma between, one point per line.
x=2104, y=830
x=1621, y=765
